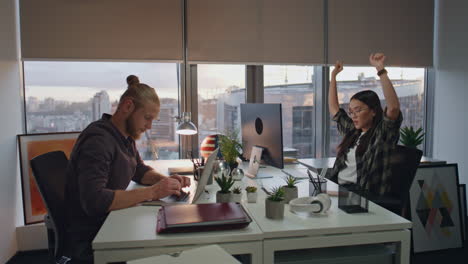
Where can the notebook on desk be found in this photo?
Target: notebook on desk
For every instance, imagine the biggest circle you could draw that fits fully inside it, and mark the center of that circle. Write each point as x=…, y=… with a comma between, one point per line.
x=194, y=194
x=201, y=217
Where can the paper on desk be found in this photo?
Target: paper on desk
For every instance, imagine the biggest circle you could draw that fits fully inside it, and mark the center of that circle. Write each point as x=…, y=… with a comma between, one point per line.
x=300, y=173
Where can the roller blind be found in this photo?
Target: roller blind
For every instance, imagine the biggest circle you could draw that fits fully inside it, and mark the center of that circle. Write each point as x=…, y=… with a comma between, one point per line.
x=101, y=29
x=402, y=29
x=255, y=31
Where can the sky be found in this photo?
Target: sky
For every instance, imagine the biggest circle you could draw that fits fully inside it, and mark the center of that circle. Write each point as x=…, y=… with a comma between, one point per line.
x=79, y=81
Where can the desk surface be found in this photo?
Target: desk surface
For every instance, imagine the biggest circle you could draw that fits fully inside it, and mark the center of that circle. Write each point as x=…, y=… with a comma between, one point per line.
x=136, y=227
x=140, y=222
x=322, y=163
x=333, y=222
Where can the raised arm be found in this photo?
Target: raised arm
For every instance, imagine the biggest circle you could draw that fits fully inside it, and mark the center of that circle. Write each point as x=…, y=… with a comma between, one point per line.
x=393, y=104
x=333, y=103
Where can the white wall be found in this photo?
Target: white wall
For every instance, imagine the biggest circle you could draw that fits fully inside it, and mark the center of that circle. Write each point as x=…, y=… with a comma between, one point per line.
x=10, y=120
x=451, y=85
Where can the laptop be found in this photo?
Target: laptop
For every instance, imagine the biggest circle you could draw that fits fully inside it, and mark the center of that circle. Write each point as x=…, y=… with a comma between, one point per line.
x=196, y=189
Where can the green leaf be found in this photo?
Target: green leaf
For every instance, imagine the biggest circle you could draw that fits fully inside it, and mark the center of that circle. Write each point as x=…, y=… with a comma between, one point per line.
x=410, y=137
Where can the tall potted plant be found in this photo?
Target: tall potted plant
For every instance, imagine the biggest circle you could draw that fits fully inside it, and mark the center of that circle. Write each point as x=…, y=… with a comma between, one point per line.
x=274, y=204
x=290, y=189
x=410, y=137
x=230, y=148
x=225, y=183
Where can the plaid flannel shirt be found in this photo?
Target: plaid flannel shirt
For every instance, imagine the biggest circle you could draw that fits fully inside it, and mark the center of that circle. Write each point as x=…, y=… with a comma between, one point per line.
x=373, y=167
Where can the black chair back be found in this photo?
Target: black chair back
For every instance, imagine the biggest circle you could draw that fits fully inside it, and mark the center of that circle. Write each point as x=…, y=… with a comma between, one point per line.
x=404, y=162
x=49, y=170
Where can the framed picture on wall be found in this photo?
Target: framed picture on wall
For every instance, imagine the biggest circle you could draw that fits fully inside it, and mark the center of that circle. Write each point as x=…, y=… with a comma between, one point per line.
x=31, y=146
x=435, y=208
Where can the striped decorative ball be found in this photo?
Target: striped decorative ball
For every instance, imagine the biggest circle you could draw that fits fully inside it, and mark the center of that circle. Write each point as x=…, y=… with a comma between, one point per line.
x=208, y=145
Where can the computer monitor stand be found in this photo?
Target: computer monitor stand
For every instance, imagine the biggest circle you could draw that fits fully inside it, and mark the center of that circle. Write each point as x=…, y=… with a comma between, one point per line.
x=254, y=165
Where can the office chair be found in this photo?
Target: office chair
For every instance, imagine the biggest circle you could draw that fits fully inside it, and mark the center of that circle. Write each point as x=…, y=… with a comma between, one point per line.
x=49, y=172
x=404, y=162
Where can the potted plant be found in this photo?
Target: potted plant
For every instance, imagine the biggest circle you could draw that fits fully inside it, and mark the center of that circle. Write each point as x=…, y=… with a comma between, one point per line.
x=236, y=195
x=290, y=189
x=410, y=137
x=274, y=204
x=225, y=183
x=230, y=148
x=251, y=194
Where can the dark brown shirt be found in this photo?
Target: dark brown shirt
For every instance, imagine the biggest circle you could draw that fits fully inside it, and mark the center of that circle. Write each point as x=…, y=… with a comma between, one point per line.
x=102, y=161
x=373, y=167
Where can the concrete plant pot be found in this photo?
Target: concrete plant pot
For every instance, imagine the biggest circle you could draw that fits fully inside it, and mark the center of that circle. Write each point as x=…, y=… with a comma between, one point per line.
x=252, y=197
x=236, y=197
x=274, y=209
x=289, y=193
x=223, y=197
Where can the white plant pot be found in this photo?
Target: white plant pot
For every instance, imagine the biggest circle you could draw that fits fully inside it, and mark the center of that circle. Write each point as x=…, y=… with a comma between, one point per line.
x=223, y=197
x=236, y=197
x=274, y=209
x=289, y=193
x=252, y=197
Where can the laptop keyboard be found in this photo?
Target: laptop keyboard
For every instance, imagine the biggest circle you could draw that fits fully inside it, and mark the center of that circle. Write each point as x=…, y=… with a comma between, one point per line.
x=182, y=197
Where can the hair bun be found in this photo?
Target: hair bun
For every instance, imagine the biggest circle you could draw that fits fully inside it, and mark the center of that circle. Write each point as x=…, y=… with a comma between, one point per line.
x=132, y=79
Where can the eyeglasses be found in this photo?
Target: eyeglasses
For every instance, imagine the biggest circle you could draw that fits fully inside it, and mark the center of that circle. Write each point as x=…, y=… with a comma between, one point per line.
x=356, y=112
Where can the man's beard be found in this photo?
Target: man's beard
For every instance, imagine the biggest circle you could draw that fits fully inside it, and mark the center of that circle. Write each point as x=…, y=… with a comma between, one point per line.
x=131, y=128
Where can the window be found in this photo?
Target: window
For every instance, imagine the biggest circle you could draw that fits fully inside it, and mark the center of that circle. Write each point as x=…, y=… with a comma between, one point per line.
x=221, y=90
x=409, y=86
x=67, y=96
x=294, y=88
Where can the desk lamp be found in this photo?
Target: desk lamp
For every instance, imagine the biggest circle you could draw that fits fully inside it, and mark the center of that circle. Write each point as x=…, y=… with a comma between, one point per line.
x=186, y=127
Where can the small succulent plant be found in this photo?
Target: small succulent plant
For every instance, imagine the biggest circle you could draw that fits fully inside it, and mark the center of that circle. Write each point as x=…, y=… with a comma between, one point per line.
x=276, y=194
x=225, y=183
x=291, y=181
x=250, y=189
x=237, y=190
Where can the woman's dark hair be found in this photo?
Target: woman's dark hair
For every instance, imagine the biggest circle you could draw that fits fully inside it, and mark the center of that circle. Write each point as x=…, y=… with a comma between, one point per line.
x=372, y=100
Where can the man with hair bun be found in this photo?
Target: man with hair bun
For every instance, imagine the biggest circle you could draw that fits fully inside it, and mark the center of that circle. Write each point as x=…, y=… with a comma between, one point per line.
x=103, y=162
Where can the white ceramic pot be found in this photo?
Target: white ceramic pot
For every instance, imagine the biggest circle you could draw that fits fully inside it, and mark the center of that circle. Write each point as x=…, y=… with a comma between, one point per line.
x=252, y=197
x=289, y=193
x=236, y=197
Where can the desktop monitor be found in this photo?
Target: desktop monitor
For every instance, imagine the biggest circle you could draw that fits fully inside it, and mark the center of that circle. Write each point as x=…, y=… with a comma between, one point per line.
x=262, y=126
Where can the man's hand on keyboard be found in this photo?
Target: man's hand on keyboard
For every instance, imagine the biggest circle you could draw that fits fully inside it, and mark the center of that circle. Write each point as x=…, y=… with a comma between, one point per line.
x=165, y=187
x=184, y=181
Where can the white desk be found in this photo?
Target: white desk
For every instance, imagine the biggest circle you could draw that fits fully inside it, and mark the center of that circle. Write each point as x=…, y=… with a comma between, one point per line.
x=336, y=228
x=321, y=163
x=130, y=233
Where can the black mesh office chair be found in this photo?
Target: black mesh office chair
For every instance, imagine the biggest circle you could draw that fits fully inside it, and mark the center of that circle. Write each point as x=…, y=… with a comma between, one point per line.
x=404, y=162
x=49, y=171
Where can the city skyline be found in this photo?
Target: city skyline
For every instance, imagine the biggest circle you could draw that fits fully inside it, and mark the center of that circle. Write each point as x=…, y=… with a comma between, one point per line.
x=91, y=77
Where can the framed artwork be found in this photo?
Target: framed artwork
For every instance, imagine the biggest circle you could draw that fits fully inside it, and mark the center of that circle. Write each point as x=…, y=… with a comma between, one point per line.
x=31, y=146
x=435, y=208
x=462, y=193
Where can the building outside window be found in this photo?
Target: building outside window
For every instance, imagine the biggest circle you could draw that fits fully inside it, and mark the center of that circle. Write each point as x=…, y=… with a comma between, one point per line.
x=409, y=86
x=64, y=96
x=221, y=91
x=294, y=88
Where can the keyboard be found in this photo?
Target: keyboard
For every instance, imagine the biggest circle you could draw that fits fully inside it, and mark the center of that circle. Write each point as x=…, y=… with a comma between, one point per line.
x=181, y=198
